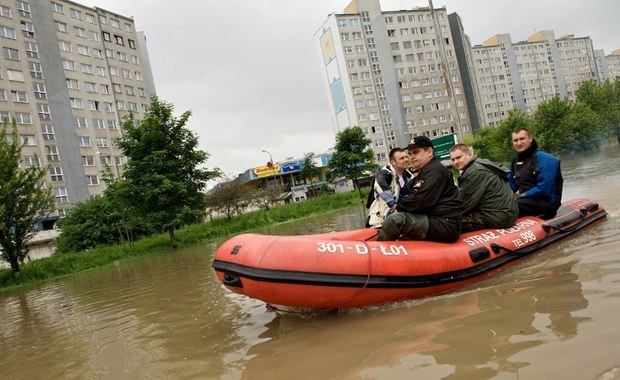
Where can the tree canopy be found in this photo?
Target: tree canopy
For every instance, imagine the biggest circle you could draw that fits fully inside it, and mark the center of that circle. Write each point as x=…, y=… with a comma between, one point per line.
x=164, y=174
x=24, y=200
x=353, y=157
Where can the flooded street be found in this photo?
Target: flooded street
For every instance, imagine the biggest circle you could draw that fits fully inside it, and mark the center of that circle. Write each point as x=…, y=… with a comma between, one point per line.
x=166, y=316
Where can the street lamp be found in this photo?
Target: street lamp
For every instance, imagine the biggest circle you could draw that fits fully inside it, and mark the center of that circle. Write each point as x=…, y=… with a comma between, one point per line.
x=270, y=166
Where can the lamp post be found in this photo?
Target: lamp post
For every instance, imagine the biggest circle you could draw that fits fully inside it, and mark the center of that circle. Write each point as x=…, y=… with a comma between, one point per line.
x=270, y=165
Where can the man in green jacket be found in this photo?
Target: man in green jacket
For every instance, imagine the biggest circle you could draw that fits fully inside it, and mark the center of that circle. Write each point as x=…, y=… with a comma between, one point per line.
x=483, y=185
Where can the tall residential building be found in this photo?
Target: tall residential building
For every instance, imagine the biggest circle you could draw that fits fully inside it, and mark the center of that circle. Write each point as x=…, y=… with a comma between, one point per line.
x=523, y=74
x=395, y=74
x=608, y=65
x=70, y=73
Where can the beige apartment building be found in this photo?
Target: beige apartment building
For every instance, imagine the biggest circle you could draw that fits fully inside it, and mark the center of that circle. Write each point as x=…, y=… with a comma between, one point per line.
x=608, y=65
x=68, y=76
x=523, y=74
x=395, y=74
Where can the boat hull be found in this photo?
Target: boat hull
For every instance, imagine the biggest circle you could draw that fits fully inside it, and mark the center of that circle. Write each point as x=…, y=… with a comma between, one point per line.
x=351, y=269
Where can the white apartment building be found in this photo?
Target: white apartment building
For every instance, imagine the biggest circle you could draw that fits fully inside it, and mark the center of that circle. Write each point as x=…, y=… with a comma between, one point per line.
x=69, y=74
x=523, y=74
x=608, y=65
x=392, y=73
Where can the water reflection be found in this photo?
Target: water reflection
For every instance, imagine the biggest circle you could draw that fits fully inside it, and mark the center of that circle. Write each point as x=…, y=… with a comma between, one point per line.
x=476, y=335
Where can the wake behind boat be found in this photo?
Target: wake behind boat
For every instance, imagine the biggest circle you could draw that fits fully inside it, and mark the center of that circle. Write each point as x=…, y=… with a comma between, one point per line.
x=351, y=269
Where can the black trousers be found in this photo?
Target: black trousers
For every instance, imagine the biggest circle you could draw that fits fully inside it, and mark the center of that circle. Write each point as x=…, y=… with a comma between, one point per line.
x=536, y=207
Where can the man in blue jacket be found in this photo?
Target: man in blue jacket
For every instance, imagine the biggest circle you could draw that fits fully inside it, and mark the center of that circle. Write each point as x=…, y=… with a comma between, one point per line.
x=535, y=177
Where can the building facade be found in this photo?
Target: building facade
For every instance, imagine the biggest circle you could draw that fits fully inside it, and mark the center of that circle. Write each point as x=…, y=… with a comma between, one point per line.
x=521, y=75
x=608, y=65
x=69, y=75
x=394, y=74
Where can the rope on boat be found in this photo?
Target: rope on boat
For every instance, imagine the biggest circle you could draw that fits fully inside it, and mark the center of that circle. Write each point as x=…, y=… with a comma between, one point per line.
x=547, y=228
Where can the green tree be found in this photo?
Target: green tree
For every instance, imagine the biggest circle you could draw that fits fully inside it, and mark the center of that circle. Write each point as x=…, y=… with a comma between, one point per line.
x=309, y=171
x=164, y=174
x=604, y=100
x=495, y=143
x=231, y=197
x=102, y=220
x=24, y=200
x=353, y=157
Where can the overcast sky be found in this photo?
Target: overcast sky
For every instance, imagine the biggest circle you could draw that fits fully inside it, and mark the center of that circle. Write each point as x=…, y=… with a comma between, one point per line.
x=250, y=70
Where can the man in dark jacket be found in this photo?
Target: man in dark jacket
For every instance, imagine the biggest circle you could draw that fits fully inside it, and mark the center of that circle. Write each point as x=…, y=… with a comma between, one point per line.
x=483, y=186
x=432, y=210
x=535, y=177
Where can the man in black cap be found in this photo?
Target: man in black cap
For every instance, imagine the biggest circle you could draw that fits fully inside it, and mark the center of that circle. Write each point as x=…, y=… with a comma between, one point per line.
x=433, y=210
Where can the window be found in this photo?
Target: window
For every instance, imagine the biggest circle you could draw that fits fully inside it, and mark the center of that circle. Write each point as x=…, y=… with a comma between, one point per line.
x=128, y=28
x=88, y=160
x=76, y=103
x=97, y=53
x=135, y=60
x=90, y=86
x=40, y=92
x=108, y=107
x=27, y=140
x=100, y=71
x=90, y=18
x=106, y=37
x=112, y=125
x=52, y=153
x=131, y=43
x=19, y=96
x=94, y=36
x=15, y=75
x=83, y=50
x=119, y=40
x=23, y=118
x=92, y=180
x=5, y=117
x=12, y=54
x=126, y=74
x=56, y=174
x=122, y=56
x=76, y=14
x=60, y=194
x=27, y=28
x=7, y=32
x=115, y=23
x=57, y=8
x=129, y=90
x=64, y=45
x=2, y=94
x=102, y=142
x=105, y=89
x=32, y=161
x=47, y=131
x=109, y=53
x=93, y=105
x=68, y=65
x=44, y=111
x=138, y=76
x=120, y=105
x=80, y=122
x=79, y=32
x=60, y=26
x=5, y=11
x=114, y=71
x=36, y=70
x=23, y=8
x=98, y=123
x=86, y=68
x=84, y=141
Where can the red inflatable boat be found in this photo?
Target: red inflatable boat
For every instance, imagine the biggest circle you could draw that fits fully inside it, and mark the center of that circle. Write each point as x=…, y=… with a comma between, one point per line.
x=351, y=269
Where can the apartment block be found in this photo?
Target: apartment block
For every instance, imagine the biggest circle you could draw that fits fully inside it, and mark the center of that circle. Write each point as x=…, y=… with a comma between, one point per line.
x=608, y=66
x=395, y=74
x=523, y=74
x=68, y=76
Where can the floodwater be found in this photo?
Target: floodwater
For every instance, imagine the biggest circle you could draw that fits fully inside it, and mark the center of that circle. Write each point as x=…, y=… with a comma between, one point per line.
x=166, y=316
